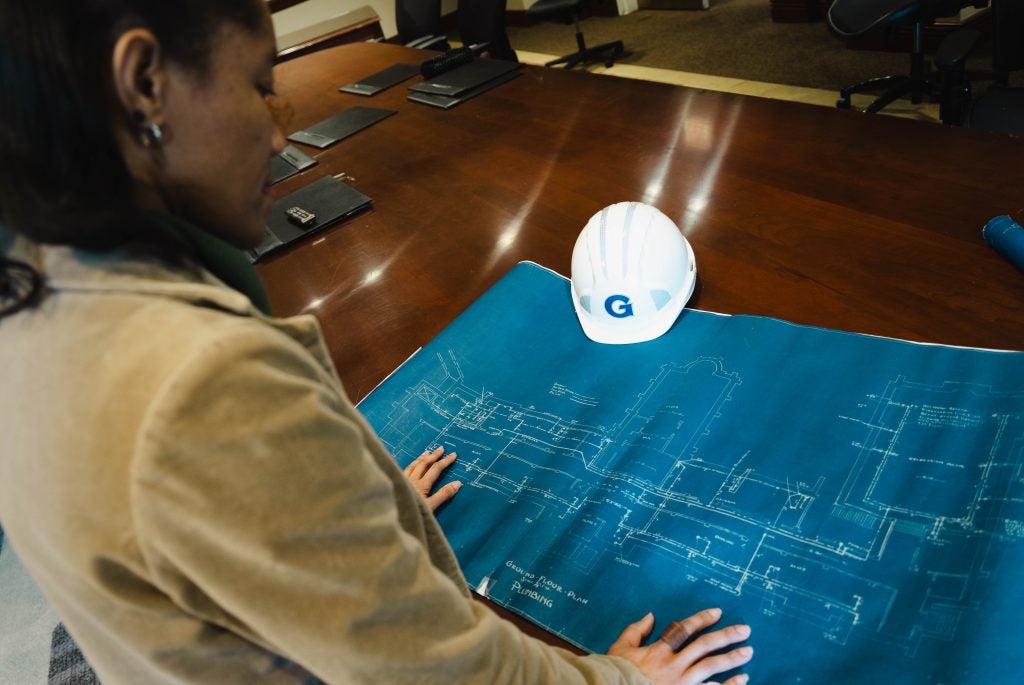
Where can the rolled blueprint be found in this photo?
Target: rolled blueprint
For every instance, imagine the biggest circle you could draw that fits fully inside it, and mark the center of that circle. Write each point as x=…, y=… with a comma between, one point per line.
x=1007, y=237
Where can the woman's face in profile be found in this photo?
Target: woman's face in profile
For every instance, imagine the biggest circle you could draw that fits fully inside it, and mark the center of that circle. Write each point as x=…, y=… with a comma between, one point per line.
x=219, y=137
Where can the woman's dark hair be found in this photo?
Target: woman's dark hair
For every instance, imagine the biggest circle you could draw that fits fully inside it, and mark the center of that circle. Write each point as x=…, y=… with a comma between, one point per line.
x=62, y=176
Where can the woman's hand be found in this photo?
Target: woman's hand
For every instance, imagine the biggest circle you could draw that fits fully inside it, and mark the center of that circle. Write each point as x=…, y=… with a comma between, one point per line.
x=671, y=661
x=424, y=471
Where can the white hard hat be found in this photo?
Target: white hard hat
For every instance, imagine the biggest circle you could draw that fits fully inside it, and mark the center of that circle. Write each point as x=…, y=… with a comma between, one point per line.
x=632, y=272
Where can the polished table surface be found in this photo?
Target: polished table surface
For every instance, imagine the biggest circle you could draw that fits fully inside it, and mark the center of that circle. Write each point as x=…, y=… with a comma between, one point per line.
x=817, y=216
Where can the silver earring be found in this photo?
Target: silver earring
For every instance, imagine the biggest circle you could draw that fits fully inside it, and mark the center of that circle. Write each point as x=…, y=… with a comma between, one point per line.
x=152, y=135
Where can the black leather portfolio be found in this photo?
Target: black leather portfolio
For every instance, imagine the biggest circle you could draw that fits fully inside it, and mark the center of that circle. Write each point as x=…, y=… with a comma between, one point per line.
x=465, y=78
x=444, y=101
x=339, y=126
x=321, y=204
x=374, y=83
x=289, y=162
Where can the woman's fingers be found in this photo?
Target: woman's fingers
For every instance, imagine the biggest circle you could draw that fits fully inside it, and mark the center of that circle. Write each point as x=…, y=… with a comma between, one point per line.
x=443, y=494
x=633, y=634
x=426, y=469
x=740, y=679
x=679, y=632
x=714, y=641
x=699, y=661
x=434, y=471
x=720, y=663
x=420, y=464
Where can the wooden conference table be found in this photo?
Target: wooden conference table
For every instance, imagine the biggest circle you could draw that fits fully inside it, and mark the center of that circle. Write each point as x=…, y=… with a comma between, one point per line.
x=817, y=216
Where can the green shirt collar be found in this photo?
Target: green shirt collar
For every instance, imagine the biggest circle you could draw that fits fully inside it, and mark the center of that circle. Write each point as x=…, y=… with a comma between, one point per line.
x=223, y=260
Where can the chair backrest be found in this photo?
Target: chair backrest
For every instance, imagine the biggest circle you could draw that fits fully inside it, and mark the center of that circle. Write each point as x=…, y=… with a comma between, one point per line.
x=1007, y=35
x=483, y=21
x=855, y=18
x=417, y=18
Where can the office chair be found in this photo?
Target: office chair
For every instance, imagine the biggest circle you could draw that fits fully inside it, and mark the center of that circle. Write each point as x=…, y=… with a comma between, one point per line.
x=999, y=108
x=419, y=24
x=570, y=11
x=483, y=21
x=851, y=18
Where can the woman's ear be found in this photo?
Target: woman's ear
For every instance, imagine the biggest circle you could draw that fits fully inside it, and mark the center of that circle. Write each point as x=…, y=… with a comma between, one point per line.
x=140, y=77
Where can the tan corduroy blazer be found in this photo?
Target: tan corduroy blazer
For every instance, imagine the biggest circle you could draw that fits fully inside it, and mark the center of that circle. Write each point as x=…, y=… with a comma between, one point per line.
x=189, y=485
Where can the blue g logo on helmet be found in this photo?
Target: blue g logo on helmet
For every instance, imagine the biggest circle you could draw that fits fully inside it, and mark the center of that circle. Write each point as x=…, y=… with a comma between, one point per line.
x=618, y=306
x=632, y=273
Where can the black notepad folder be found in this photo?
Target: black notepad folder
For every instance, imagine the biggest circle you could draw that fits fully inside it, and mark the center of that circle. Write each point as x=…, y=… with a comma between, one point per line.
x=444, y=102
x=289, y=162
x=341, y=125
x=465, y=78
x=375, y=83
x=328, y=198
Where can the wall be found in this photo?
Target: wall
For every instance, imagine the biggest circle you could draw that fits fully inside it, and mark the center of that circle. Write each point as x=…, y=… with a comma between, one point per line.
x=314, y=11
x=317, y=11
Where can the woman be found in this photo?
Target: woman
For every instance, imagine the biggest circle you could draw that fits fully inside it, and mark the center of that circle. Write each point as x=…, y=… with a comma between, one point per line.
x=182, y=473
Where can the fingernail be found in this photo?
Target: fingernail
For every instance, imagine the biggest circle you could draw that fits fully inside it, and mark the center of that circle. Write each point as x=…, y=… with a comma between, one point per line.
x=747, y=651
x=457, y=485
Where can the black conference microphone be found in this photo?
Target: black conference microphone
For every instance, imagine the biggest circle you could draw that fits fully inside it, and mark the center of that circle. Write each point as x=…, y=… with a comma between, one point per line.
x=436, y=66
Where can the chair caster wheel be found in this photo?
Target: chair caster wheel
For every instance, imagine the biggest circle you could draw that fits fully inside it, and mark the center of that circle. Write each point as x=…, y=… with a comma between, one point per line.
x=843, y=103
x=609, y=64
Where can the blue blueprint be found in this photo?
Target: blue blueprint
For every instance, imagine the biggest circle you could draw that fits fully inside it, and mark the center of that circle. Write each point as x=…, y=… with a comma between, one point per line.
x=859, y=501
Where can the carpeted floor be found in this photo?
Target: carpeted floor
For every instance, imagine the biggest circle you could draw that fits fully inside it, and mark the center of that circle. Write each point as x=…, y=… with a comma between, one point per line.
x=735, y=38
x=35, y=649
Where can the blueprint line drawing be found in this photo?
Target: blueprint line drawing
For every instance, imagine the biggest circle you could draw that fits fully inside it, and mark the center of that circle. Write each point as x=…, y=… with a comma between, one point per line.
x=858, y=501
